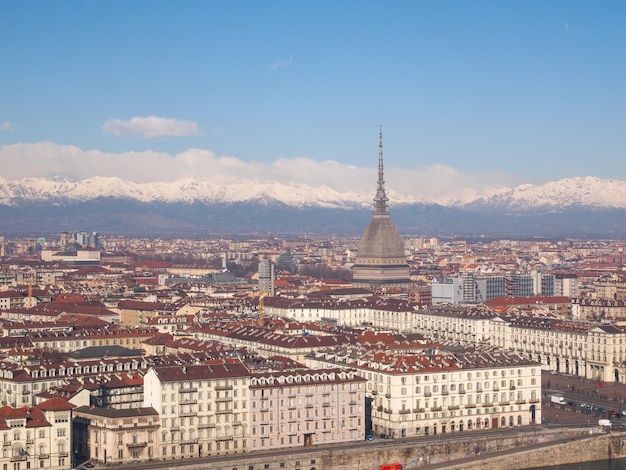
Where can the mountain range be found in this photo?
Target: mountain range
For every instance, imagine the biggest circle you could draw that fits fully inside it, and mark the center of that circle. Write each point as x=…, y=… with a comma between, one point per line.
x=572, y=208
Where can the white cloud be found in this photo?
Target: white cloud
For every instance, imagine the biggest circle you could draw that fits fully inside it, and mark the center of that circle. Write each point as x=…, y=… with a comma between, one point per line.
x=7, y=126
x=281, y=64
x=48, y=159
x=150, y=127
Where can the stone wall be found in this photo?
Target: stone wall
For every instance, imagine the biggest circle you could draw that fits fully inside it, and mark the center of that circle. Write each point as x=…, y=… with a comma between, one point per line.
x=485, y=451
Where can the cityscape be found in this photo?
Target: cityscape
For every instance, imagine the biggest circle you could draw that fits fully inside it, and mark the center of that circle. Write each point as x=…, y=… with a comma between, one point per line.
x=122, y=350
x=312, y=235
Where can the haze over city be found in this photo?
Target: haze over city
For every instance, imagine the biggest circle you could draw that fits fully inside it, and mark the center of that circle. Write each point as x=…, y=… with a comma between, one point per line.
x=469, y=94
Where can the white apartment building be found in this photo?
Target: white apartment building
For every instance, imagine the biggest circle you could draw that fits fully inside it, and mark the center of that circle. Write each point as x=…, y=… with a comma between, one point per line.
x=430, y=392
x=590, y=350
x=386, y=313
x=465, y=325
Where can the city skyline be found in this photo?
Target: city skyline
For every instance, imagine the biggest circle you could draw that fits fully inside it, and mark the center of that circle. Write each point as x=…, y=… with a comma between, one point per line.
x=469, y=95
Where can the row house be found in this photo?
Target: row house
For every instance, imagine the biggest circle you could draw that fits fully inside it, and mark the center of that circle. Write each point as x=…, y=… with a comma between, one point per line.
x=584, y=308
x=20, y=382
x=69, y=341
x=386, y=313
x=37, y=437
x=429, y=393
x=593, y=351
x=267, y=342
x=55, y=311
x=465, y=325
x=306, y=407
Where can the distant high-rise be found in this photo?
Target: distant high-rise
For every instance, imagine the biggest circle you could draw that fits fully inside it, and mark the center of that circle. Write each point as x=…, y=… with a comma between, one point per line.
x=381, y=258
x=266, y=277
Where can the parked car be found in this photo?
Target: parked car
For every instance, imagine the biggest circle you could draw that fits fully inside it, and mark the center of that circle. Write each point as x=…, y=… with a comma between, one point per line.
x=369, y=437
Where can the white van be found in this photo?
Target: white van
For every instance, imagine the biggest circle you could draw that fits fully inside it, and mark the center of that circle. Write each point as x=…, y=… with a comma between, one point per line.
x=605, y=423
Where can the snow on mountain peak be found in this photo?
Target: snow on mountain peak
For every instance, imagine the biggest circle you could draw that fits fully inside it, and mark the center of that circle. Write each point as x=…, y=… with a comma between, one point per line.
x=580, y=191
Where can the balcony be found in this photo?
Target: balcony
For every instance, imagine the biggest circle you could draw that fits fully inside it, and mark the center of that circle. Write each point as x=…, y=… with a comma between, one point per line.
x=388, y=411
x=189, y=441
x=379, y=408
x=404, y=412
x=206, y=425
x=462, y=391
x=435, y=408
x=224, y=399
x=470, y=405
x=453, y=407
x=520, y=402
x=223, y=387
x=19, y=458
x=387, y=395
x=187, y=414
x=486, y=404
x=374, y=392
x=43, y=456
x=187, y=390
x=445, y=392
x=418, y=410
x=534, y=400
x=63, y=454
x=427, y=394
x=187, y=402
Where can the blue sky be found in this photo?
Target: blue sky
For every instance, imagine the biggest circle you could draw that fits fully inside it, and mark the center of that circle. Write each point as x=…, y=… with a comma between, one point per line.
x=469, y=92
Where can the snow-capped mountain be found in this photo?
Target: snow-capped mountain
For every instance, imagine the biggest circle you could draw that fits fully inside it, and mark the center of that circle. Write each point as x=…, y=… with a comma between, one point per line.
x=581, y=192
x=573, y=207
x=182, y=191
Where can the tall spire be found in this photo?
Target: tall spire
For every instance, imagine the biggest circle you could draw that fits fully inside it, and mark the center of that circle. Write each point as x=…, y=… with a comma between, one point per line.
x=381, y=197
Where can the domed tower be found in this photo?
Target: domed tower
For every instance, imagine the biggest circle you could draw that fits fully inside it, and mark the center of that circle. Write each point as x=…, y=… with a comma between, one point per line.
x=381, y=259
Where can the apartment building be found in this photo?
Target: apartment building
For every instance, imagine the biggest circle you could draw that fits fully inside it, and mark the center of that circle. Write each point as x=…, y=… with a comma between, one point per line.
x=429, y=392
x=267, y=342
x=37, y=437
x=465, y=325
x=204, y=409
x=306, y=407
x=112, y=436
